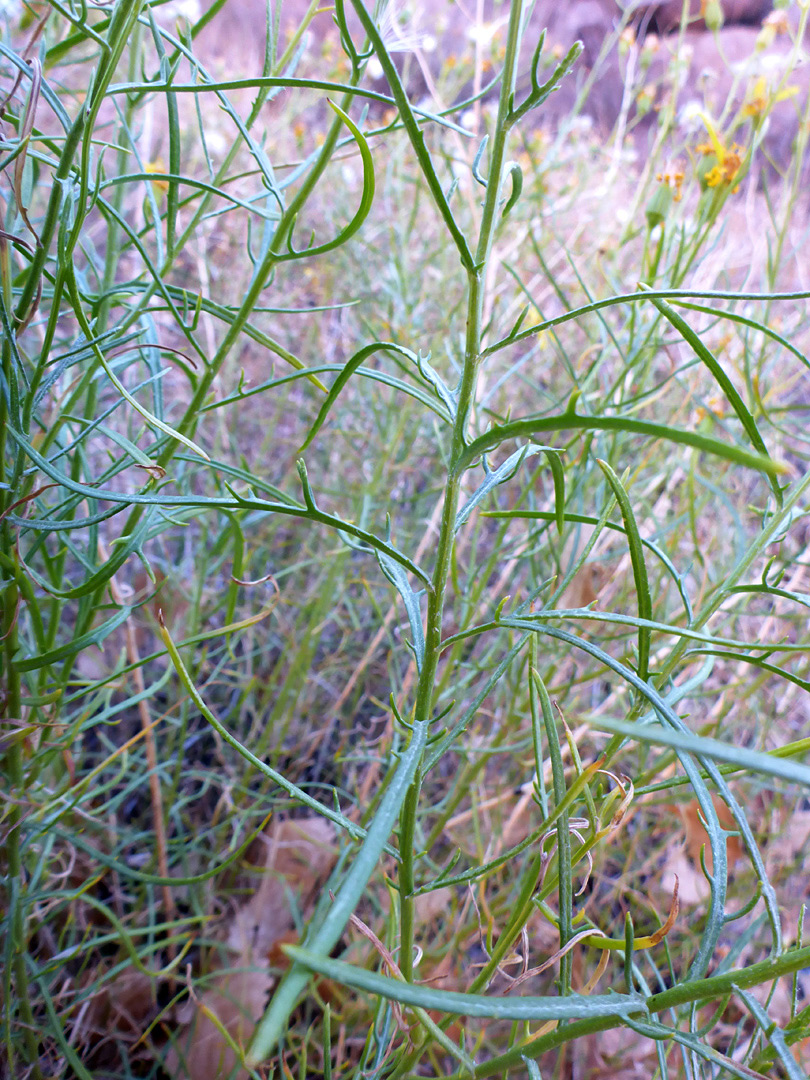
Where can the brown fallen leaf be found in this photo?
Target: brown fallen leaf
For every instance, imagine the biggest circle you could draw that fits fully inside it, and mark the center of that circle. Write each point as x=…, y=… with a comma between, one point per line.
x=432, y=905
x=696, y=835
x=616, y=1054
x=683, y=858
x=216, y=1026
x=124, y=1007
x=789, y=841
x=692, y=884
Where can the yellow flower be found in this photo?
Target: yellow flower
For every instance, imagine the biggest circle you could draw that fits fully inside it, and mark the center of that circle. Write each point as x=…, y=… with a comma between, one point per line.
x=756, y=101
x=157, y=166
x=759, y=97
x=669, y=190
x=725, y=172
x=728, y=159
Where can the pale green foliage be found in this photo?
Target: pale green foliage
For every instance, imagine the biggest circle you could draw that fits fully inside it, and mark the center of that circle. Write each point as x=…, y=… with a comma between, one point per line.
x=260, y=385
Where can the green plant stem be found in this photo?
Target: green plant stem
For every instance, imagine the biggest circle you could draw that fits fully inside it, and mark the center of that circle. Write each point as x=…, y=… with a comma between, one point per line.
x=452, y=490
x=407, y=881
x=11, y=712
x=271, y=1026
x=124, y=18
x=424, y=693
x=15, y=889
x=113, y=252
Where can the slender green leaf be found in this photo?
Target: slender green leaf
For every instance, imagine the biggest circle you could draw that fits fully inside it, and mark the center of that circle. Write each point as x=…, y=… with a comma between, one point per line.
x=532, y=1009
x=721, y=378
x=751, y=760
x=494, y=477
x=531, y=426
x=639, y=566
x=366, y=200
x=399, y=579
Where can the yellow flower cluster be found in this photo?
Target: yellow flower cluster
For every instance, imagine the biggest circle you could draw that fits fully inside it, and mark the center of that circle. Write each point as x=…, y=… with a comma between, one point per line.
x=728, y=164
x=728, y=159
x=760, y=97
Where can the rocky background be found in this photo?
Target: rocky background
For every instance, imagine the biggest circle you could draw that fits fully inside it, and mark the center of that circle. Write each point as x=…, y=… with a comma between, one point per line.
x=634, y=54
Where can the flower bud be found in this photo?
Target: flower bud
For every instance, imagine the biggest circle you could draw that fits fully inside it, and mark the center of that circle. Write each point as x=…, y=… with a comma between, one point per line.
x=765, y=38
x=658, y=206
x=713, y=15
x=627, y=40
x=651, y=46
x=645, y=99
